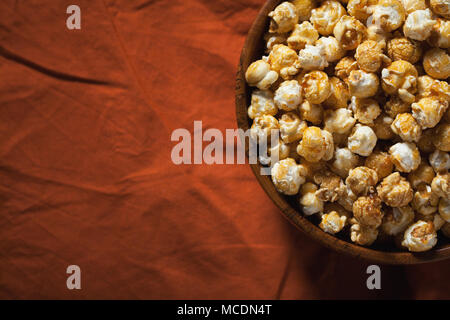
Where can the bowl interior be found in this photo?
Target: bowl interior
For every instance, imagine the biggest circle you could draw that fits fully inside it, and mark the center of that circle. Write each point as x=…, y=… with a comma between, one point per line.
x=384, y=253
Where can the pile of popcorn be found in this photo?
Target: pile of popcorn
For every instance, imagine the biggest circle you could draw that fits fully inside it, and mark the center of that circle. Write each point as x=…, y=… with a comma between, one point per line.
x=358, y=92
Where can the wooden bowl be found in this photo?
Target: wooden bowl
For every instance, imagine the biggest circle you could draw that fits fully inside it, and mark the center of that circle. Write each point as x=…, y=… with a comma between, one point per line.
x=387, y=254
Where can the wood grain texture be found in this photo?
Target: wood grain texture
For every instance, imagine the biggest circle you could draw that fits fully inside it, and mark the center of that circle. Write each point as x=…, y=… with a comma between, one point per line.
x=253, y=50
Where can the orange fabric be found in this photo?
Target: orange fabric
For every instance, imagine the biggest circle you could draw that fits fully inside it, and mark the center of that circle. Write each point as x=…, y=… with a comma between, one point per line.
x=86, y=177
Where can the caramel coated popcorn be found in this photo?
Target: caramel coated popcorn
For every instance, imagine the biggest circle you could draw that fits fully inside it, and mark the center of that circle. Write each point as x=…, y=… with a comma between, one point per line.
x=358, y=92
x=308, y=200
x=420, y=236
x=332, y=222
x=367, y=211
x=287, y=176
x=325, y=17
x=283, y=18
x=395, y=190
x=316, y=144
x=262, y=103
x=436, y=63
x=400, y=79
x=362, y=180
x=349, y=32
x=406, y=127
x=370, y=57
x=302, y=35
x=402, y=48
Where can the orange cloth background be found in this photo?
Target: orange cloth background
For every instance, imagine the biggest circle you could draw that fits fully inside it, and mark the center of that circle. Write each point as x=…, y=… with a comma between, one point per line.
x=86, y=176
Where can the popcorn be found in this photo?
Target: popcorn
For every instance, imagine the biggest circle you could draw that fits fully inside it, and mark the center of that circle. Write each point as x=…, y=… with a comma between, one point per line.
x=370, y=57
x=419, y=24
x=413, y=5
x=420, y=236
x=311, y=112
x=441, y=185
x=436, y=63
x=344, y=67
x=402, y=48
x=331, y=186
x=302, y=35
x=344, y=161
x=441, y=7
x=291, y=127
x=325, y=17
x=440, y=161
x=332, y=222
x=387, y=15
x=365, y=110
x=362, y=140
x=312, y=58
x=395, y=106
x=444, y=209
x=259, y=75
x=382, y=127
x=406, y=156
x=396, y=220
x=360, y=8
x=423, y=175
x=262, y=127
x=349, y=32
x=331, y=48
x=283, y=18
x=425, y=201
x=428, y=111
x=400, y=78
x=288, y=95
x=406, y=127
x=377, y=34
x=339, y=120
x=308, y=200
x=363, y=235
x=363, y=84
x=287, y=176
x=367, y=211
x=282, y=59
x=340, y=94
x=395, y=190
x=304, y=8
x=380, y=162
x=440, y=34
x=442, y=137
x=362, y=180
x=262, y=104
x=323, y=71
x=315, y=145
x=316, y=87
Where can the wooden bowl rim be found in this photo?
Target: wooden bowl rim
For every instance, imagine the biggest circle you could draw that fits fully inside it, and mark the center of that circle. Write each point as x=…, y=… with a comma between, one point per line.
x=256, y=32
